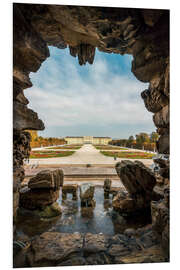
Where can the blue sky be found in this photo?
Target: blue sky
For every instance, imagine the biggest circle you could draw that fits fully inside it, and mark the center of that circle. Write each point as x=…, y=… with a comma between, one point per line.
x=102, y=99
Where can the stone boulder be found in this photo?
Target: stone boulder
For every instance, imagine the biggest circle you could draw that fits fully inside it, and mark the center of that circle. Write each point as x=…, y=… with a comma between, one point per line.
x=37, y=199
x=136, y=177
x=47, y=179
x=139, y=182
x=42, y=191
x=87, y=194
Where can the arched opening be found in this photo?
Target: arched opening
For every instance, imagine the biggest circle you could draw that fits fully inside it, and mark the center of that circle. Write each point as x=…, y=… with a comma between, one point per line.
x=87, y=100
x=122, y=31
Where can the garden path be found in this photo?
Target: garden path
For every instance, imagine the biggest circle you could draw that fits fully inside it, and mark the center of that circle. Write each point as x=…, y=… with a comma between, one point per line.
x=87, y=154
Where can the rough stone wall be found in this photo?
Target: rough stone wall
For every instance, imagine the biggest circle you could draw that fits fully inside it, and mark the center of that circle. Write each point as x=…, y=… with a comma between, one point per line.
x=21, y=149
x=139, y=32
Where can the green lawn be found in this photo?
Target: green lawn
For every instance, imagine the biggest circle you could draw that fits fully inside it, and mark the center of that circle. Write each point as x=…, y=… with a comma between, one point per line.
x=108, y=147
x=50, y=154
x=74, y=147
x=131, y=155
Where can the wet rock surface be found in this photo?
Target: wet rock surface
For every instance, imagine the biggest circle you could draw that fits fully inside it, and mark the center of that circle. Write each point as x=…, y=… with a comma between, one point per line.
x=104, y=236
x=53, y=249
x=139, y=181
x=98, y=219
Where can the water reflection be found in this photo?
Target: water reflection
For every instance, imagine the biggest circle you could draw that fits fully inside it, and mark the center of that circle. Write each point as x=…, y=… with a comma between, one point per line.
x=102, y=218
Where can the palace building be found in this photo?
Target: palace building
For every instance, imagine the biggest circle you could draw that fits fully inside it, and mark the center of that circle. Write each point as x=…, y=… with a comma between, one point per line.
x=87, y=139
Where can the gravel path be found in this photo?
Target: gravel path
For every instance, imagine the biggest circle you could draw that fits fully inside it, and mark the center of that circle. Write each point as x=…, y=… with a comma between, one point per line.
x=87, y=154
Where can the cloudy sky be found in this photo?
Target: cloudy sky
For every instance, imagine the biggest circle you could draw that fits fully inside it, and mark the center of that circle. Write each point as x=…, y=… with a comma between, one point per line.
x=102, y=99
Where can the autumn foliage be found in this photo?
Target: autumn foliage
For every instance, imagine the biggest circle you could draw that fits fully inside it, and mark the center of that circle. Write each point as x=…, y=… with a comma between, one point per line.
x=140, y=141
x=38, y=141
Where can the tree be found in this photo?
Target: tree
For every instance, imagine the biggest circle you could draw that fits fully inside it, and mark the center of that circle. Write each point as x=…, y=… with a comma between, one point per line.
x=154, y=137
x=130, y=141
x=142, y=138
x=131, y=138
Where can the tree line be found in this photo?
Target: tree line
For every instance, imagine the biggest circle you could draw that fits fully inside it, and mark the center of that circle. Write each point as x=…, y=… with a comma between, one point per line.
x=38, y=141
x=140, y=141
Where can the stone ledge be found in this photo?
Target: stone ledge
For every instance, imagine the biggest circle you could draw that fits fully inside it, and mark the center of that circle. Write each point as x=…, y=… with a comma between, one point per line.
x=53, y=249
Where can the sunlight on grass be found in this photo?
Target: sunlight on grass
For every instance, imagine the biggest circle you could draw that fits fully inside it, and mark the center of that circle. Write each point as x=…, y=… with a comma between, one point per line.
x=131, y=155
x=50, y=154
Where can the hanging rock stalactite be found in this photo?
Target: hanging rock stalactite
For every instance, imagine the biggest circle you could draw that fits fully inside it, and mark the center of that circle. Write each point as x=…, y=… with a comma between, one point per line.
x=85, y=53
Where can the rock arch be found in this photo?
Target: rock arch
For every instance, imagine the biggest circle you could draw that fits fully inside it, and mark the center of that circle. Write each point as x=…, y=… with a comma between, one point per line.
x=140, y=32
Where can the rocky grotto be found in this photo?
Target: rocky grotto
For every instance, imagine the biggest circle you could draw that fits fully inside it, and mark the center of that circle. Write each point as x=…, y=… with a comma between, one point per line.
x=145, y=35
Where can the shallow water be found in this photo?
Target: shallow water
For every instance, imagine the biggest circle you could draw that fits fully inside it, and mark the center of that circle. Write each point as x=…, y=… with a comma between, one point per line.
x=101, y=219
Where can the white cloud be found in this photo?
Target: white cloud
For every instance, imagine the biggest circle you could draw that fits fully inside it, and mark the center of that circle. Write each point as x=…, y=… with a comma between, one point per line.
x=66, y=98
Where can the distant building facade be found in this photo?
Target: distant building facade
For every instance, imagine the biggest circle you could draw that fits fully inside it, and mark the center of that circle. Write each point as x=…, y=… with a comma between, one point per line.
x=87, y=139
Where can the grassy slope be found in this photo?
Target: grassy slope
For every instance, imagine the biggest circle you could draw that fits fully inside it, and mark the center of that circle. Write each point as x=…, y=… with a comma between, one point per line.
x=50, y=154
x=131, y=155
x=104, y=147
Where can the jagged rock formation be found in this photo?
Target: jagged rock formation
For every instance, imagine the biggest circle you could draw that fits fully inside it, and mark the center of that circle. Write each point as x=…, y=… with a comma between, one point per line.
x=160, y=221
x=139, y=181
x=136, y=177
x=25, y=118
x=139, y=32
x=47, y=179
x=160, y=209
x=42, y=192
x=85, y=53
x=21, y=149
x=164, y=167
